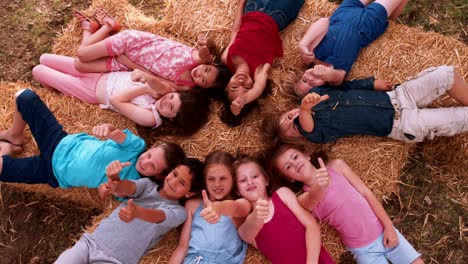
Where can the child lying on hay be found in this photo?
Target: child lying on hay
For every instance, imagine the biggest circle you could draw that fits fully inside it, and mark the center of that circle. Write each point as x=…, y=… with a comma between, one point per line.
x=178, y=66
x=328, y=113
x=136, y=95
x=138, y=224
x=336, y=42
x=78, y=159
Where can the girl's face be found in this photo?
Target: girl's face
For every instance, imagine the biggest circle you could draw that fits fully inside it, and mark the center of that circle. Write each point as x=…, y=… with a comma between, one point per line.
x=219, y=182
x=287, y=128
x=204, y=75
x=251, y=183
x=239, y=84
x=169, y=105
x=294, y=165
x=152, y=162
x=178, y=182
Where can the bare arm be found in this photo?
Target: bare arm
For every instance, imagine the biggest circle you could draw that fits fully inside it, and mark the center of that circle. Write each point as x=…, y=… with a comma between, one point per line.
x=159, y=85
x=132, y=211
x=312, y=236
x=235, y=28
x=180, y=252
x=122, y=103
x=117, y=187
x=305, y=115
x=312, y=38
x=108, y=131
x=390, y=237
x=250, y=228
x=123, y=59
x=202, y=54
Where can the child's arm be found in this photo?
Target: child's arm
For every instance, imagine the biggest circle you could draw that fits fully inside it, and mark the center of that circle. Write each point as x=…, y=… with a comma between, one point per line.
x=159, y=85
x=311, y=197
x=235, y=28
x=213, y=210
x=390, y=236
x=381, y=85
x=305, y=116
x=328, y=74
x=260, y=80
x=254, y=221
x=180, y=252
x=202, y=54
x=132, y=211
x=108, y=131
x=117, y=187
x=122, y=103
x=312, y=236
x=312, y=38
x=124, y=60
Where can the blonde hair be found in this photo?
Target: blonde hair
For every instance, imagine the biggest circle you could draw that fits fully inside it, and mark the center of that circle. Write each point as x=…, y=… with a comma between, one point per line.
x=288, y=84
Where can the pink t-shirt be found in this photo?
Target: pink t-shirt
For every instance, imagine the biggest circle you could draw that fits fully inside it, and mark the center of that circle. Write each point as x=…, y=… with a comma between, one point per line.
x=162, y=56
x=346, y=210
x=282, y=239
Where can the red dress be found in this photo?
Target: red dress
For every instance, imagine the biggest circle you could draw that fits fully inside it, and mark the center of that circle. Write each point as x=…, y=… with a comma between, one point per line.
x=257, y=41
x=282, y=239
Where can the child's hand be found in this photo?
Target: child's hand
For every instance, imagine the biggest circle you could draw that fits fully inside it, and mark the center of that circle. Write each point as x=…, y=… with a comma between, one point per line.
x=322, y=177
x=307, y=55
x=237, y=105
x=128, y=213
x=201, y=40
x=203, y=51
x=311, y=100
x=139, y=76
x=210, y=212
x=114, y=168
x=381, y=85
x=321, y=71
x=104, y=190
x=103, y=131
x=262, y=208
x=153, y=92
x=390, y=238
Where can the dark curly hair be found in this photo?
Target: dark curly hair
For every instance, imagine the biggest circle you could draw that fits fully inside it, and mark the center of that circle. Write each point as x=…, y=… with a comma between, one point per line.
x=194, y=110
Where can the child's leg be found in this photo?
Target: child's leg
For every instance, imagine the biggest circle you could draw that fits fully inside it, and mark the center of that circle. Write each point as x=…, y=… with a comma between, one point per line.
x=404, y=252
x=82, y=86
x=429, y=84
x=60, y=63
x=78, y=254
x=393, y=7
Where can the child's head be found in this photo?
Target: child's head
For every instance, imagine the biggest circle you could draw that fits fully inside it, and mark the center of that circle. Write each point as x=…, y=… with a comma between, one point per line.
x=211, y=76
x=280, y=127
x=188, y=109
x=159, y=160
x=251, y=179
x=185, y=180
x=239, y=84
x=291, y=163
x=293, y=86
x=219, y=175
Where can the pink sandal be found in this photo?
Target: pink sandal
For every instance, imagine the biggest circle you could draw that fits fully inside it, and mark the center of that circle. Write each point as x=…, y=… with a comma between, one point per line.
x=102, y=16
x=86, y=23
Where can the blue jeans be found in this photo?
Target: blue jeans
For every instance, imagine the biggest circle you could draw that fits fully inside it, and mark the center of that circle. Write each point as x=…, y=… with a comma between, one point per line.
x=47, y=132
x=282, y=11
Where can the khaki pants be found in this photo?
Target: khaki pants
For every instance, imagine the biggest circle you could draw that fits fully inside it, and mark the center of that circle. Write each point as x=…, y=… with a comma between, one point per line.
x=413, y=121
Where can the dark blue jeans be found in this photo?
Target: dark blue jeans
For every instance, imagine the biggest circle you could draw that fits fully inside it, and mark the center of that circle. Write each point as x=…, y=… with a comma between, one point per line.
x=282, y=11
x=47, y=132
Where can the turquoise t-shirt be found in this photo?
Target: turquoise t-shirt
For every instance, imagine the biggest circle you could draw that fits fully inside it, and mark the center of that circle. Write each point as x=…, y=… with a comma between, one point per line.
x=81, y=159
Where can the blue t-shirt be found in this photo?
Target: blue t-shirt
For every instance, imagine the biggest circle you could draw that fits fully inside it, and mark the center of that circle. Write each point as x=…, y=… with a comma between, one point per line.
x=352, y=27
x=81, y=159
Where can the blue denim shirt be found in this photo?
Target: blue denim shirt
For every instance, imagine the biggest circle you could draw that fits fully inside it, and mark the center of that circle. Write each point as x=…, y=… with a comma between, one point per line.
x=353, y=108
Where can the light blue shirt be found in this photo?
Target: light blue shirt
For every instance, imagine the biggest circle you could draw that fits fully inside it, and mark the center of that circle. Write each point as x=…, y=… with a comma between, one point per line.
x=81, y=159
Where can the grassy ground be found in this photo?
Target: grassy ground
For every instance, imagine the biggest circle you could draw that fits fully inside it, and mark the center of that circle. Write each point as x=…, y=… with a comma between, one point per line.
x=424, y=210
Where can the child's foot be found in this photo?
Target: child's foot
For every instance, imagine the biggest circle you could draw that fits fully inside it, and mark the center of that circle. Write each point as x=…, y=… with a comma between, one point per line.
x=6, y=148
x=16, y=140
x=102, y=16
x=86, y=23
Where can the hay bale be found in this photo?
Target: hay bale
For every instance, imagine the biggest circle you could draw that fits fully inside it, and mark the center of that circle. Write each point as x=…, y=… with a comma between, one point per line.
x=400, y=53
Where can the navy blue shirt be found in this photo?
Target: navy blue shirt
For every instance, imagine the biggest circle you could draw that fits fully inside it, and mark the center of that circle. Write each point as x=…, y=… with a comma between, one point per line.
x=353, y=108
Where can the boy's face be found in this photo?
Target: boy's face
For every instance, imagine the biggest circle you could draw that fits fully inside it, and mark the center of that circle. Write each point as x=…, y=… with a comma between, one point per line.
x=204, y=75
x=152, y=162
x=169, y=105
x=178, y=182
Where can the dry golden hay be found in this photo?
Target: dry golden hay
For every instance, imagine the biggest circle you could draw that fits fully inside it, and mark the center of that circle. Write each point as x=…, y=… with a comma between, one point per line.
x=400, y=53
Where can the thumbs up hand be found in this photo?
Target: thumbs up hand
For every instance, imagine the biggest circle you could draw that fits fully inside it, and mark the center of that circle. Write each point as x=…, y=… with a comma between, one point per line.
x=210, y=211
x=262, y=208
x=322, y=177
x=112, y=173
x=128, y=213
